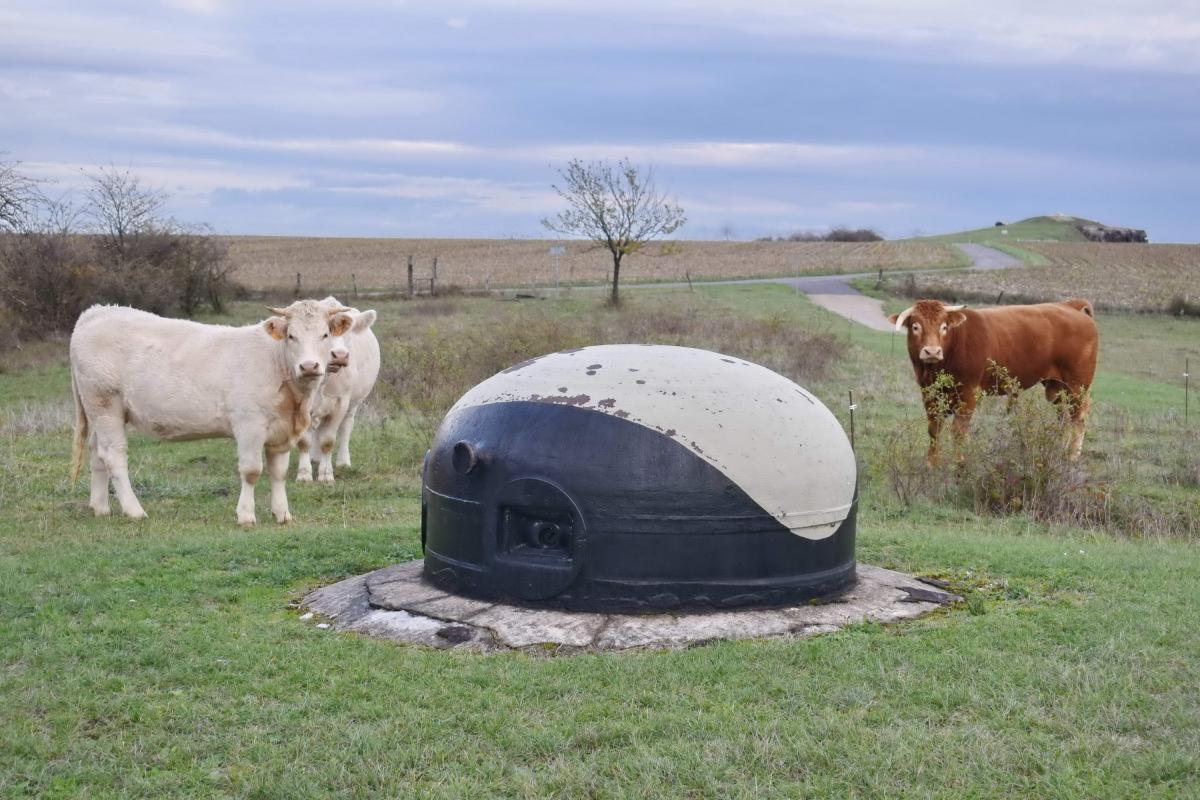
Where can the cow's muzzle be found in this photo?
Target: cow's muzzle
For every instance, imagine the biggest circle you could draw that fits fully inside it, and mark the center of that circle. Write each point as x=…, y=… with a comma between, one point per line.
x=931, y=355
x=338, y=359
x=310, y=369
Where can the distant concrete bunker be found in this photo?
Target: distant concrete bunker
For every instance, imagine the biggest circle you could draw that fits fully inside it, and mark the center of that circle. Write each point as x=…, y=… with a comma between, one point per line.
x=627, y=496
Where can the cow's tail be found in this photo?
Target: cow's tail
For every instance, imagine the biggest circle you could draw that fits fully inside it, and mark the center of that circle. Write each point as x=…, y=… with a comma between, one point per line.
x=1079, y=304
x=79, y=443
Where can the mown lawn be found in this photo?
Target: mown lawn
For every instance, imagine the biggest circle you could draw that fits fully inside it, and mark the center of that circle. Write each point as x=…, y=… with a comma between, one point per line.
x=165, y=658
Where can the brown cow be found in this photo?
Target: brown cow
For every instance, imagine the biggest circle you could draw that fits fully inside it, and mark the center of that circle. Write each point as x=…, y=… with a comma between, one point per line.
x=999, y=351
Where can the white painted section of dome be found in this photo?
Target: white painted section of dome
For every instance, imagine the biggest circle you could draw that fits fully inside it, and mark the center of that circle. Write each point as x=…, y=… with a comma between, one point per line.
x=773, y=439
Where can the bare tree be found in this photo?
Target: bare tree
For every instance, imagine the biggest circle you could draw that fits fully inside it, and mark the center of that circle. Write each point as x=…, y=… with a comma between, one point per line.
x=617, y=207
x=121, y=208
x=18, y=196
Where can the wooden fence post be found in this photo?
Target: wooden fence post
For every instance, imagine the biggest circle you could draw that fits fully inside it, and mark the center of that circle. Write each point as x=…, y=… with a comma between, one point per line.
x=433, y=280
x=410, y=277
x=297, y=285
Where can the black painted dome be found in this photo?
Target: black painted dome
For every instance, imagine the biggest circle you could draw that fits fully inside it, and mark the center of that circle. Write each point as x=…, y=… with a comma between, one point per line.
x=626, y=477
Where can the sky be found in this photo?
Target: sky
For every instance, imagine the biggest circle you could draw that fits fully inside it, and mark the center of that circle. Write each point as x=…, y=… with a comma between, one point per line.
x=452, y=119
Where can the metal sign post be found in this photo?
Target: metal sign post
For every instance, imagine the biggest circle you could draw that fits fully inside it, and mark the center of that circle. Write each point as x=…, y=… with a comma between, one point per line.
x=558, y=251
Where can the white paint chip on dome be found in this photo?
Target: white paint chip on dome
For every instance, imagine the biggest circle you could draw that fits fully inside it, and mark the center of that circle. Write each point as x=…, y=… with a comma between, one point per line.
x=769, y=436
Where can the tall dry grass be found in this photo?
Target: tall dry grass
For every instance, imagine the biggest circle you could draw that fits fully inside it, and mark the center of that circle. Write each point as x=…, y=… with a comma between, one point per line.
x=1015, y=460
x=428, y=369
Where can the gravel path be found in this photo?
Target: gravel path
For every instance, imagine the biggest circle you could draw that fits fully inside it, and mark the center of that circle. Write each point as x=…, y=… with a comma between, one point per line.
x=835, y=293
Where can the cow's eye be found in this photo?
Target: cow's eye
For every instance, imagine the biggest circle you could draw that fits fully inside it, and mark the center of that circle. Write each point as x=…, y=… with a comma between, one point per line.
x=916, y=328
x=945, y=327
x=326, y=336
x=291, y=338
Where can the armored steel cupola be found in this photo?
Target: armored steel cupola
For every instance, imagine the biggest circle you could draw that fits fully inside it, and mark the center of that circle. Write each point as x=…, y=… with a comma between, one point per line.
x=637, y=477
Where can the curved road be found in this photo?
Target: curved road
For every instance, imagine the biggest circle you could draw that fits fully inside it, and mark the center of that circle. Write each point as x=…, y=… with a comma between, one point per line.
x=835, y=293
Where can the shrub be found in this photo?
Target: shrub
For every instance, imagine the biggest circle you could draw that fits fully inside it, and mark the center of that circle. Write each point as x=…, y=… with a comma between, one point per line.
x=165, y=271
x=1183, y=307
x=46, y=281
x=427, y=371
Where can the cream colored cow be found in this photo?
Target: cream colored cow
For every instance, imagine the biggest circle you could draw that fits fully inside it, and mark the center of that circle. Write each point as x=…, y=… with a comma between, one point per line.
x=176, y=379
x=353, y=369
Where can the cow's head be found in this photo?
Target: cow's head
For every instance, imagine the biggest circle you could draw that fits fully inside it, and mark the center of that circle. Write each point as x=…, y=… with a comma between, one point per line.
x=339, y=352
x=306, y=328
x=930, y=327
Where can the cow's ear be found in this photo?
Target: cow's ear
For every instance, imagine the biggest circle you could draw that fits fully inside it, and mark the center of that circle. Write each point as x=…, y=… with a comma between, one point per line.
x=340, y=323
x=276, y=327
x=893, y=317
x=956, y=318
x=365, y=320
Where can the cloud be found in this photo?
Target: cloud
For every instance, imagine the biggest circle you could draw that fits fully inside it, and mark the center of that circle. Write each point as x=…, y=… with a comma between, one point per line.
x=486, y=194
x=1153, y=34
x=734, y=154
x=714, y=154
x=177, y=177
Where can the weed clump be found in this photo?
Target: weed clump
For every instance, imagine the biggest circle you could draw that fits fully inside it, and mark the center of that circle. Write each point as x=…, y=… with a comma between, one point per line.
x=429, y=369
x=1016, y=460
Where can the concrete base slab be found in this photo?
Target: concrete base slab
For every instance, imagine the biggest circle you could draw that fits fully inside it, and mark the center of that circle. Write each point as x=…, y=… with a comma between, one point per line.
x=395, y=603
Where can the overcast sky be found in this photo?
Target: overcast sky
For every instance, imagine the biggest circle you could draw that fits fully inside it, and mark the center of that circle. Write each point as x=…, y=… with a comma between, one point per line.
x=359, y=118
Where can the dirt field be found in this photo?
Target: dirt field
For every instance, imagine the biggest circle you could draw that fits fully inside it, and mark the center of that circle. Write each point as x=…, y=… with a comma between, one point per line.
x=271, y=262
x=1119, y=277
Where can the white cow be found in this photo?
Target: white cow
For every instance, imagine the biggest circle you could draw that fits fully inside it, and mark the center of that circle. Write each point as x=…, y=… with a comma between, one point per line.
x=353, y=369
x=176, y=379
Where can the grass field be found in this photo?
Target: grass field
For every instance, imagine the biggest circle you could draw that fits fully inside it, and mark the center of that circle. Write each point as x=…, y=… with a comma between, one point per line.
x=165, y=659
x=1142, y=278
x=271, y=262
x=1034, y=229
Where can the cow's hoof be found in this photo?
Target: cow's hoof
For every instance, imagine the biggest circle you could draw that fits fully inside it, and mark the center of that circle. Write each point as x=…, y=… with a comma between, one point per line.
x=247, y=522
x=284, y=519
x=326, y=479
x=139, y=514
x=101, y=512
x=304, y=477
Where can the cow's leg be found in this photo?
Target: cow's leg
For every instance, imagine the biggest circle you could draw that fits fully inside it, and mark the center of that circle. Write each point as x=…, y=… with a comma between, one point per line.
x=304, y=468
x=1053, y=390
x=250, y=464
x=344, y=431
x=99, y=496
x=111, y=446
x=328, y=438
x=935, y=430
x=963, y=412
x=1081, y=406
x=277, y=467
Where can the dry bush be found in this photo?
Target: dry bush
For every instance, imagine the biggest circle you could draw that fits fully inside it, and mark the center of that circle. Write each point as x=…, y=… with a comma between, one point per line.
x=270, y=263
x=46, y=281
x=1015, y=461
x=165, y=271
x=426, y=371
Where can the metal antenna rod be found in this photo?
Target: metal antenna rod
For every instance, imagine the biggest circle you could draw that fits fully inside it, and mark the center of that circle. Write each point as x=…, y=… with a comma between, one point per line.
x=852, y=407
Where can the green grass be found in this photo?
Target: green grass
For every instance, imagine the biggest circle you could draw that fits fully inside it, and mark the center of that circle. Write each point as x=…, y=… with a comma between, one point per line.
x=166, y=659
x=1037, y=229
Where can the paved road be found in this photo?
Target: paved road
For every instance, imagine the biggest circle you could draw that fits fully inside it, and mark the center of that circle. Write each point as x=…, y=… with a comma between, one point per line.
x=835, y=293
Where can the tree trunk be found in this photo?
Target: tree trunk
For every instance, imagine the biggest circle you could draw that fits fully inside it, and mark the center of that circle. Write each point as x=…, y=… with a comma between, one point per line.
x=616, y=298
